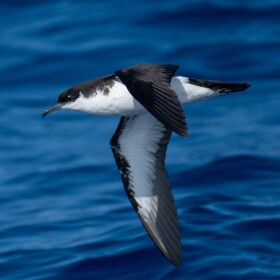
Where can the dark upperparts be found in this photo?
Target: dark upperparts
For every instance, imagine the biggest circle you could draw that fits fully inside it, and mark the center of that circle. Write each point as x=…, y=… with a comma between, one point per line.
x=220, y=87
x=88, y=88
x=149, y=84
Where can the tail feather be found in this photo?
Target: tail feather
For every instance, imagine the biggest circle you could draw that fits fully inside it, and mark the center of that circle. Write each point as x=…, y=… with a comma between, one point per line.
x=219, y=87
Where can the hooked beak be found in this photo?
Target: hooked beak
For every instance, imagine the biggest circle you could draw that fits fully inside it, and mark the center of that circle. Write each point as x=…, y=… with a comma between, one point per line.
x=52, y=109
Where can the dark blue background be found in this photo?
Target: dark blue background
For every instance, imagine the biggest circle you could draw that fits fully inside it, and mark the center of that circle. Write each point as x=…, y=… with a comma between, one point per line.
x=63, y=210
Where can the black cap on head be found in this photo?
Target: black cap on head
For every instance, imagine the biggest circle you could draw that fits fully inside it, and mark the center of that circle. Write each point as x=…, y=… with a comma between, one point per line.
x=68, y=95
x=87, y=89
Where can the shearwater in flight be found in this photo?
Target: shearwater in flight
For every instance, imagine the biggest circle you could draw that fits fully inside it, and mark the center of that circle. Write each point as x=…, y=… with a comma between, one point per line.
x=148, y=98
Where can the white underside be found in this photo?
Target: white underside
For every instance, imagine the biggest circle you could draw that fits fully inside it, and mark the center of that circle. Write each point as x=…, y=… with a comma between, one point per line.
x=138, y=145
x=120, y=102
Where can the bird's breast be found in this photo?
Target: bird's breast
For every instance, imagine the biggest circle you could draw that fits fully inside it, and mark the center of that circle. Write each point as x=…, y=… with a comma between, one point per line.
x=113, y=101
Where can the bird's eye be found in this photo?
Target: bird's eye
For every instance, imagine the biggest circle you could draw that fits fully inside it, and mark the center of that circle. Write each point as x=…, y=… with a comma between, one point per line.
x=69, y=97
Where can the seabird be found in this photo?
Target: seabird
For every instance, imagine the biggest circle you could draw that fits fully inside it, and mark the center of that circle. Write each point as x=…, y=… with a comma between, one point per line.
x=149, y=99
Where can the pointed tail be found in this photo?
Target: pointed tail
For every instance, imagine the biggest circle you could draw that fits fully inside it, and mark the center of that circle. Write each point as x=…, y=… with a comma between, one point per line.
x=219, y=87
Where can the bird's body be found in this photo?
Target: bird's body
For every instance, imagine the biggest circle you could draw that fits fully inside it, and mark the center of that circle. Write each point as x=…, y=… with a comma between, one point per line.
x=148, y=98
x=114, y=98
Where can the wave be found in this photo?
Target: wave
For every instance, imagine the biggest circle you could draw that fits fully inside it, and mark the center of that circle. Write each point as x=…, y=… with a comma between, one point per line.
x=229, y=170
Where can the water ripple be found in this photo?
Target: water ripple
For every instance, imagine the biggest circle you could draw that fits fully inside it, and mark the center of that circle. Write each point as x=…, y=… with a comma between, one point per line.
x=64, y=213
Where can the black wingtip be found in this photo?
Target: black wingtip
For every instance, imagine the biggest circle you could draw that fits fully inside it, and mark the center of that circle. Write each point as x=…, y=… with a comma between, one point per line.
x=182, y=133
x=176, y=262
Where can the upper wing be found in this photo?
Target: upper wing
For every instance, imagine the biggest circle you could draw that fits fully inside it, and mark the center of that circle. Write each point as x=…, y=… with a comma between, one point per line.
x=149, y=84
x=139, y=146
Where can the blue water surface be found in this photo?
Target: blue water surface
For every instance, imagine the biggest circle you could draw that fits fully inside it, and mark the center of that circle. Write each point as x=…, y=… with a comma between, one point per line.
x=63, y=210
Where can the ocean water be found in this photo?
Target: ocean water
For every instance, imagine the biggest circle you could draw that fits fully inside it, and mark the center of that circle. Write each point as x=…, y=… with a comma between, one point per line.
x=63, y=210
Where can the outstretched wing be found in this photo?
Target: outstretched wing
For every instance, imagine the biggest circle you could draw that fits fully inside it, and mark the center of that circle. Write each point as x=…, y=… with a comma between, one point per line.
x=149, y=84
x=139, y=146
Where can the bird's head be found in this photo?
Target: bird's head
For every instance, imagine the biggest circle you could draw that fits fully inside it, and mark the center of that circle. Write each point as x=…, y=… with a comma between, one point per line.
x=76, y=97
x=66, y=100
